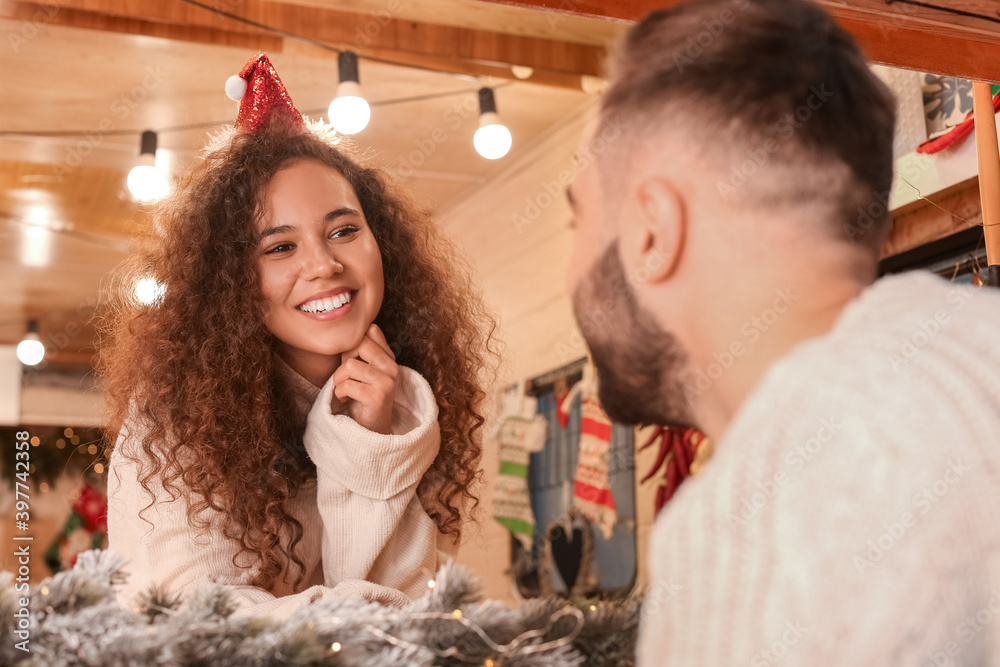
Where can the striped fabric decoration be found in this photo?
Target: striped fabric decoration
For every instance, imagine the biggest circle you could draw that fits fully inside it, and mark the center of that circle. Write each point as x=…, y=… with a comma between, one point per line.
x=511, y=500
x=592, y=487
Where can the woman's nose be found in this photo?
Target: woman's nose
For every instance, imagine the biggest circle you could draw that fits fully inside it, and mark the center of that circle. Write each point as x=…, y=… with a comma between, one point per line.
x=320, y=262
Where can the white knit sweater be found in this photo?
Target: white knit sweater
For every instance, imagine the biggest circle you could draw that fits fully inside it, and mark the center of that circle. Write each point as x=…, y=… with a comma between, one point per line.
x=365, y=532
x=851, y=512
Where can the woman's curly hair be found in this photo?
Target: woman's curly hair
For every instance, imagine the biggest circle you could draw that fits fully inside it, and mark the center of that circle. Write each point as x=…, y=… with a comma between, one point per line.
x=195, y=369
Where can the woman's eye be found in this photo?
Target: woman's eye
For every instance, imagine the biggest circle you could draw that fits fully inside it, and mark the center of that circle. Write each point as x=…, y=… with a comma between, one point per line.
x=277, y=247
x=344, y=232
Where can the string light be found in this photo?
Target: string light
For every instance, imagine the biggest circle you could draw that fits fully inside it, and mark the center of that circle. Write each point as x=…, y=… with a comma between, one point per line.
x=30, y=350
x=492, y=139
x=430, y=584
x=335, y=647
x=349, y=112
x=148, y=291
x=513, y=648
x=145, y=181
x=522, y=71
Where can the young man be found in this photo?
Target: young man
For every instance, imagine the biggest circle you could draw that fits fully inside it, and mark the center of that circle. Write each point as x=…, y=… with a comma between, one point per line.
x=731, y=205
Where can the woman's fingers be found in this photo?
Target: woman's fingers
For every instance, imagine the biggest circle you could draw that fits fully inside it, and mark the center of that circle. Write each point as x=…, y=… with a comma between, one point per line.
x=375, y=351
x=375, y=333
x=358, y=370
x=366, y=381
x=368, y=405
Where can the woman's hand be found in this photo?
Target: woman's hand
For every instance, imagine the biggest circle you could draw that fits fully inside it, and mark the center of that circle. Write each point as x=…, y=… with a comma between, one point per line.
x=366, y=381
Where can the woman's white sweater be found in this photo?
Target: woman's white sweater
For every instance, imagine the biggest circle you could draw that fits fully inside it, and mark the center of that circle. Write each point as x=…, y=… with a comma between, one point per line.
x=365, y=532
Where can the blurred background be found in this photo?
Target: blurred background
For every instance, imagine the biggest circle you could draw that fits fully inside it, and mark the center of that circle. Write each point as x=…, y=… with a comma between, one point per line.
x=82, y=81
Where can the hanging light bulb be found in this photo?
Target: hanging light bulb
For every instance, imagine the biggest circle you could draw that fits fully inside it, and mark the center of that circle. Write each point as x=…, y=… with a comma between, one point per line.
x=148, y=291
x=30, y=350
x=349, y=113
x=492, y=139
x=145, y=181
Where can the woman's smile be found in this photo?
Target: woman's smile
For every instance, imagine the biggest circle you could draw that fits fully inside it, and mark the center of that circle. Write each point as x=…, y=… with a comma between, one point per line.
x=329, y=307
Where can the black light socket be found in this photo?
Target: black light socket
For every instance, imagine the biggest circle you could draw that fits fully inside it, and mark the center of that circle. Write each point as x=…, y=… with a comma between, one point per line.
x=347, y=63
x=148, y=143
x=487, y=102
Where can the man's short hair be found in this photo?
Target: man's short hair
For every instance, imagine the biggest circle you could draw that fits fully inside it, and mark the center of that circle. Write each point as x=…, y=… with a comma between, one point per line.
x=777, y=93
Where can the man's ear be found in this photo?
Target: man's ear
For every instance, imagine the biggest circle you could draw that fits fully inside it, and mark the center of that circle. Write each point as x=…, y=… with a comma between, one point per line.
x=653, y=237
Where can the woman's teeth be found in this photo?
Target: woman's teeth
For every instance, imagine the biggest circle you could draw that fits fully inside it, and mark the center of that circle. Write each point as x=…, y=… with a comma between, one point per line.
x=326, y=305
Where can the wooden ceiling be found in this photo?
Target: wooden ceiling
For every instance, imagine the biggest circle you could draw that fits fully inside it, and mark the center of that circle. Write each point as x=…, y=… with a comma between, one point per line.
x=955, y=37
x=82, y=78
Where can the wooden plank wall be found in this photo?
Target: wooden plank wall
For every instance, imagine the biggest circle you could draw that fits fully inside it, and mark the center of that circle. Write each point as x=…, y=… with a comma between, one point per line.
x=515, y=228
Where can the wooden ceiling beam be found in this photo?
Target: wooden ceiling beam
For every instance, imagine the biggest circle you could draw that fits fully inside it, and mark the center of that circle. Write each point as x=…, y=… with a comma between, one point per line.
x=952, y=37
x=40, y=13
x=442, y=48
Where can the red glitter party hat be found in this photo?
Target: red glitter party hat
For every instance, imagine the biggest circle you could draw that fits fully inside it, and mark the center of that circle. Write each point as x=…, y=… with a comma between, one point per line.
x=262, y=97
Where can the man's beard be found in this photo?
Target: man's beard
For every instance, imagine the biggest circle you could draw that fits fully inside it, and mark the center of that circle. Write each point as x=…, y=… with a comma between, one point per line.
x=639, y=364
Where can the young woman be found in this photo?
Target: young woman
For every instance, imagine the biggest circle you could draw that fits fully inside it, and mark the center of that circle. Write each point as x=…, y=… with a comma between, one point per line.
x=298, y=413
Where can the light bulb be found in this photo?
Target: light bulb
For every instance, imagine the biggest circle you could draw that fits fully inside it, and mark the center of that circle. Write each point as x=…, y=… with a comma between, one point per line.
x=147, y=183
x=349, y=113
x=30, y=350
x=492, y=140
x=148, y=291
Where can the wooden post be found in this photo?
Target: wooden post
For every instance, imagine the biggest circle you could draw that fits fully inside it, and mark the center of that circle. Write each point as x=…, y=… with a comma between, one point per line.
x=989, y=176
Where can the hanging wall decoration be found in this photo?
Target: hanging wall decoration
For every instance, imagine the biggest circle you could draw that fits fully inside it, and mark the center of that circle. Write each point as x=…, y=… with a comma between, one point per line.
x=592, y=486
x=85, y=529
x=568, y=549
x=521, y=432
x=682, y=453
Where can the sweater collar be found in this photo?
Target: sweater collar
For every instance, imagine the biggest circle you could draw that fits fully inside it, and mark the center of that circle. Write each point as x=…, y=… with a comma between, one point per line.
x=303, y=392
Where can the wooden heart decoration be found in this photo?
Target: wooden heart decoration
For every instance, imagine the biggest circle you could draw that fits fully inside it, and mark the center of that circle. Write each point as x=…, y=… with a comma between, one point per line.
x=567, y=554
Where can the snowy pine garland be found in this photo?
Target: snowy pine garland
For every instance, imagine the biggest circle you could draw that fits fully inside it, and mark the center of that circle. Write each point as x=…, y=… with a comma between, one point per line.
x=76, y=621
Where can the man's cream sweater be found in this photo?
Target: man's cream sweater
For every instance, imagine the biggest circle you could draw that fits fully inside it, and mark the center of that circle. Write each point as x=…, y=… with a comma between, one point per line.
x=851, y=512
x=365, y=532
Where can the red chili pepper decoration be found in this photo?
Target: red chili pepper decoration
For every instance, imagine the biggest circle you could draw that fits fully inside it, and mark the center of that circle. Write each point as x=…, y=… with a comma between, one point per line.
x=676, y=454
